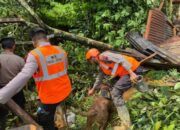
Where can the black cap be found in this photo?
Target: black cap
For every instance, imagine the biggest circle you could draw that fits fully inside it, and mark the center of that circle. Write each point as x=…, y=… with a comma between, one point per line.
x=37, y=30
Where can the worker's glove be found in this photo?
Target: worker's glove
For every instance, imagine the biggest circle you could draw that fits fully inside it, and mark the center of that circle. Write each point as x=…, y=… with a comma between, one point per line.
x=133, y=77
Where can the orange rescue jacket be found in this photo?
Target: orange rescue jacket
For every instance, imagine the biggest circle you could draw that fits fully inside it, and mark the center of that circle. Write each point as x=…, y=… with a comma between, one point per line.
x=52, y=81
x=116, y=69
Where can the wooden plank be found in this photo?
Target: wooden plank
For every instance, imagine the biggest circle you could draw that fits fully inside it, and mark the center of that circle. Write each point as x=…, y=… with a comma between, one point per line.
x=147, y=45
x=167, y=55
x=173, y=47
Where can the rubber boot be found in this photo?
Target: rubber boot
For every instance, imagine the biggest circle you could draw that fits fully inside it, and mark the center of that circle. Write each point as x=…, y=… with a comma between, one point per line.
x=123, y=113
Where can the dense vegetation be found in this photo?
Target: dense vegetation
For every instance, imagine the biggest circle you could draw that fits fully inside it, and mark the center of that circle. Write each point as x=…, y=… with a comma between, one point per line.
x=107, y=21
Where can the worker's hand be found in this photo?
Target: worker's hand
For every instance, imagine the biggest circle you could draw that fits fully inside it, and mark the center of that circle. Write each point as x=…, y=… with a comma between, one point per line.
x=91, y=91
x=133, y=77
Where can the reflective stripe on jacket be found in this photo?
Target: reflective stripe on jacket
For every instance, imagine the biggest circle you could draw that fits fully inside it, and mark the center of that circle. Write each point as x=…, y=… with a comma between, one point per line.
x=52, y=82
x=116, y=69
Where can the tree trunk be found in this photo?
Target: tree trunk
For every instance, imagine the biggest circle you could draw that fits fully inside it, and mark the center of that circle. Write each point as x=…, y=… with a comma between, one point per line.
x=20, y=113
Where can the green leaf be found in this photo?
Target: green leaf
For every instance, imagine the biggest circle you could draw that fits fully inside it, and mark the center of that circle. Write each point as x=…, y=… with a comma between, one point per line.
x=171, y=127
x=177, y=86
x=157, y=125
x=165, y=128
x=107, y=26
x=115, y=2
x=106, y=13
x=124, y=13
x=117, y=16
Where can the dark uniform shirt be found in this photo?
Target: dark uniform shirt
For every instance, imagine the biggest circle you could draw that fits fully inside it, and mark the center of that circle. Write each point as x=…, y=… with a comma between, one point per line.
x=10, y=66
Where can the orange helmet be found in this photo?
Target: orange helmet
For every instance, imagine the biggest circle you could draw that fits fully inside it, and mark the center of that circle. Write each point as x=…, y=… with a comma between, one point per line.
x=92, y=53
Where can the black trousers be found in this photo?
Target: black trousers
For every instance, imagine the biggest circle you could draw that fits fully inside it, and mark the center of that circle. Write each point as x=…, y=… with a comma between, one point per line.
x=19, y=99
x=45, y=115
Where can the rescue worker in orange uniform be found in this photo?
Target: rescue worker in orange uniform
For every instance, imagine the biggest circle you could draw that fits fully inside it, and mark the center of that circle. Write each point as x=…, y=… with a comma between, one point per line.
x=123, y=69
x=48, y=66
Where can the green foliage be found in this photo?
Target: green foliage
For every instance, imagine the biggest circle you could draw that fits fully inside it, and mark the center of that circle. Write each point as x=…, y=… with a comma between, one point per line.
x=80, y=71
x=107, y=21
x=157, y=110
x=174, y=73
x=157, y=74
x=11, y=8
x=60, y=14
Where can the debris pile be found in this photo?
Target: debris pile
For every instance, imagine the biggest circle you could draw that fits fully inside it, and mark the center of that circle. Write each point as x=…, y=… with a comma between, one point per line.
x=148, y=48
x=160, y=41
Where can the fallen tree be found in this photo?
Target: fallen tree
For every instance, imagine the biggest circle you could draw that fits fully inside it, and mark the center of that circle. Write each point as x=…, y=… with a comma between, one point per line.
x=63, y=34
x=87, y=41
